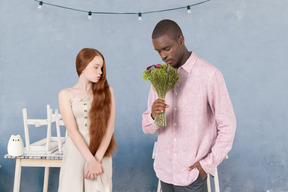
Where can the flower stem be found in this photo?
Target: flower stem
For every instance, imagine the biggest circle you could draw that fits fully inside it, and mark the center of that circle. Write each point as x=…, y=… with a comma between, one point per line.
x=160, y=120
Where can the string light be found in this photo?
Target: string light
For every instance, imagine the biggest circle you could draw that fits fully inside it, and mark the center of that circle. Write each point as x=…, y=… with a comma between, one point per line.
x=89, y=15
x=140, y=14
x=189, y=9
x=40, y=5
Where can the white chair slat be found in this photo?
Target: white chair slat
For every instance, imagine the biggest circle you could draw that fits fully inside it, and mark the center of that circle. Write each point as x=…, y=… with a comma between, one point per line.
x=48, y=144
x=37, y=122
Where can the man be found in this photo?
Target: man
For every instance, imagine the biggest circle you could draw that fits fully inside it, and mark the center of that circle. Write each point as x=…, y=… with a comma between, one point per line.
x=200, y=118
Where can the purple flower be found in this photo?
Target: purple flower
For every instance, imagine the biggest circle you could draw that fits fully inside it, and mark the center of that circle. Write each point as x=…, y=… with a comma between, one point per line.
x=157, y=66
x=148, y=68
x=152, y=66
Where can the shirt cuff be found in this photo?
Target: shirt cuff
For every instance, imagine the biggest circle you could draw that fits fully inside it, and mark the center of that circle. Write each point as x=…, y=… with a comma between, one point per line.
x=208, y=169
x=151, y=120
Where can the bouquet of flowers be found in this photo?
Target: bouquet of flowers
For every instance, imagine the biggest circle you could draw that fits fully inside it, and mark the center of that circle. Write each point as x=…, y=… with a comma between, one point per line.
x=163, y=77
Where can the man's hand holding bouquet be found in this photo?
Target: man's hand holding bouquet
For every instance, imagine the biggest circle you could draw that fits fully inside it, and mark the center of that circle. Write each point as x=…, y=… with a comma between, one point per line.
x=162, y=77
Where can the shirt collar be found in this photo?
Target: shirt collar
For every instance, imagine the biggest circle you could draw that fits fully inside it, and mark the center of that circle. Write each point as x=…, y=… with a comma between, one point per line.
x=188, y=65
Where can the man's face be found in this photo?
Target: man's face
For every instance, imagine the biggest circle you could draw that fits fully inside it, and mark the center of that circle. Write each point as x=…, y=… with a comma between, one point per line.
x=170, y=50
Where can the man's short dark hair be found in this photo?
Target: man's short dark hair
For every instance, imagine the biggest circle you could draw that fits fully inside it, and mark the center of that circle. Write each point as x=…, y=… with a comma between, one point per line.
x=167, y=27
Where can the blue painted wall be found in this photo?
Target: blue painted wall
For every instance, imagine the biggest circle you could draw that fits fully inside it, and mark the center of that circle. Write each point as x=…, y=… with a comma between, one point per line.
x=246, y=40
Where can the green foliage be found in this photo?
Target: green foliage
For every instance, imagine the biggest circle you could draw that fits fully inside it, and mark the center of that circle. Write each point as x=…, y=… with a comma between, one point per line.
x=162, y=79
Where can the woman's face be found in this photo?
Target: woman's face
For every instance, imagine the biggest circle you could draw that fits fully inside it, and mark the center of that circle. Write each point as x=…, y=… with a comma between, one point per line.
x=93, y=70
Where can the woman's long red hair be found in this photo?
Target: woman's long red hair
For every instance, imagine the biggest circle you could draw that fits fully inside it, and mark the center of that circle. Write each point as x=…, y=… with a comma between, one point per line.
x=101, y=105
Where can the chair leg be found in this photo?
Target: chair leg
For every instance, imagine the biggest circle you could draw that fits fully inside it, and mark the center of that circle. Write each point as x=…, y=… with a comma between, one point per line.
x=17, y=177
x=159, y=186
x=49, y=121
x=26, y=129
x=208, y=183
x=58, y=131
x=46, y=179
x=216, y=181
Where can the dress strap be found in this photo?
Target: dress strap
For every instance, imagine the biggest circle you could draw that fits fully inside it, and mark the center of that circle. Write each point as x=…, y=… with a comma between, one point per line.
x=71, y=92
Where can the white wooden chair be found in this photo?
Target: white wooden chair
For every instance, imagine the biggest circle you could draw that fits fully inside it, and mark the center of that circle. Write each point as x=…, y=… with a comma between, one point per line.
x=48, y=144
x=216, y=179
x=59, y=122
x=153, y=157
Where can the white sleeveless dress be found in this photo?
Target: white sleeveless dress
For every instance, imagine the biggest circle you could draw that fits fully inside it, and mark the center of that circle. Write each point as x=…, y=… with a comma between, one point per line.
x=71, y=177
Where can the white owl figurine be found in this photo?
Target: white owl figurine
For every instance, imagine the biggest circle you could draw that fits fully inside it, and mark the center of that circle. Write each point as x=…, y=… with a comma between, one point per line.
x=15, y=146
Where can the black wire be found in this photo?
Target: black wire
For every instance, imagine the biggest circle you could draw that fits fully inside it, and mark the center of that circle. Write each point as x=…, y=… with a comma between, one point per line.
x=113, y=13
x=172, y=9
x=59, y=6
x=122, y=13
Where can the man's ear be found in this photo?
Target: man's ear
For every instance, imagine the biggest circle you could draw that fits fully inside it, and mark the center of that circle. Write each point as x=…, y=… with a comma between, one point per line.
x=181, y=40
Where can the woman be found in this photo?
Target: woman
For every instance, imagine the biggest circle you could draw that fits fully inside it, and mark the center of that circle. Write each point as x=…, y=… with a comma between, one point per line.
x=88, y=112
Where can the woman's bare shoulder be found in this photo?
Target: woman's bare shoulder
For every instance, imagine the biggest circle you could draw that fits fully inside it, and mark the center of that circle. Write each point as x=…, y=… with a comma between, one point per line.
x=110, y=88
x=65, y=94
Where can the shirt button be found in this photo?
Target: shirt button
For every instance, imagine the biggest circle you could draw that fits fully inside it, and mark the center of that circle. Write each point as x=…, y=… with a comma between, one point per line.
x=175, y=109
x=174, y=124
x=176, y=93
x=175, y=154
x=85, y=110
x=175, y=139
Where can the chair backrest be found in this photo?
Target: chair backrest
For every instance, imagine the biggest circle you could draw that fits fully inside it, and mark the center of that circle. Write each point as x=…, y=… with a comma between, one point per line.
x=37, y=123
x=59, y=122
x=48, y=144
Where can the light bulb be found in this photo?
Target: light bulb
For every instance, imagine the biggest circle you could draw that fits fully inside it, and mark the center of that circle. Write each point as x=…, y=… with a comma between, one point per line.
x=189, y=9
x=140, y=16
x=40, y=5
x=89, y=15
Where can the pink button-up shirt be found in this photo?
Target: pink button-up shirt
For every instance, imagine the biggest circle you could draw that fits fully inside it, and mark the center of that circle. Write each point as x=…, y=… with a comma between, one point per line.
x=200, y=123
